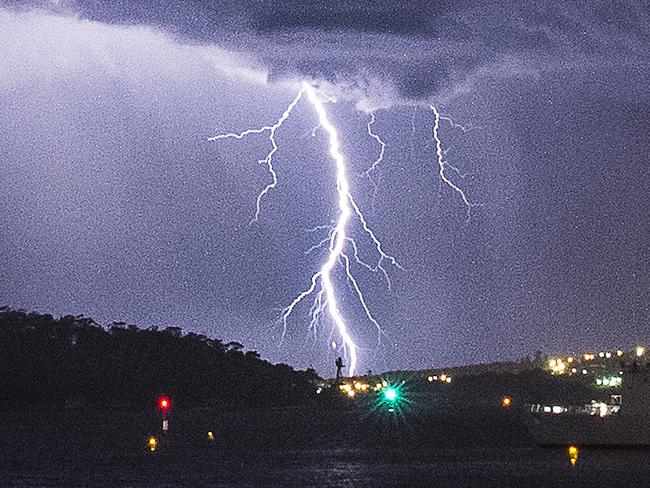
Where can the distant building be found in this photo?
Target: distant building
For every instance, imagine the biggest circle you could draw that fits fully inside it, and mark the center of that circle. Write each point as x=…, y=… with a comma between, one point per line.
x=513, y=367
x=604, y=369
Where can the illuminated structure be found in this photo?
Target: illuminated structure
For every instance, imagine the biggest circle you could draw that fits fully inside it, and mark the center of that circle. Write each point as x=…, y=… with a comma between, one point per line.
x=602, y=364
x=624, y=420
x=339, y=368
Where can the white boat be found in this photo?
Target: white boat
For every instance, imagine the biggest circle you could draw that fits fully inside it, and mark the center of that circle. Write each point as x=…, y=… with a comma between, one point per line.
x=623, y=421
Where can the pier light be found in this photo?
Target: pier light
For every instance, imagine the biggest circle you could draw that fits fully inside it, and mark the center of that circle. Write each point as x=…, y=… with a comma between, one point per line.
x=619, y=353
x=640, y=351
x=608, y=355
x=573, y=452
x=430, y=379
x=506, y=402
x=601, y=354
x=152, y=443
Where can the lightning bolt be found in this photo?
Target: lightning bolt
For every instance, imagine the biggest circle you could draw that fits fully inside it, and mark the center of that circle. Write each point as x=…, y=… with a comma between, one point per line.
x=268, y=160
x=342, y=249
x=382, y=150
x=382, y=145
x=443, y=164
x=339, y=243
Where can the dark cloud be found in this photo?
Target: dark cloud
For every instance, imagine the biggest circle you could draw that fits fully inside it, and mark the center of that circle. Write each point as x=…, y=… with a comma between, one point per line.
x=407, y=18
x=413, y=51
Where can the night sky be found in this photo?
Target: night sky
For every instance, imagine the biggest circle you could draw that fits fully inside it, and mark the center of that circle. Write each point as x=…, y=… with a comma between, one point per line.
x=115, y=204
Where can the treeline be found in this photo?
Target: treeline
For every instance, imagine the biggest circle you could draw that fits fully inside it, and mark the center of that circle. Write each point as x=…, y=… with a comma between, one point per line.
x=74, y=361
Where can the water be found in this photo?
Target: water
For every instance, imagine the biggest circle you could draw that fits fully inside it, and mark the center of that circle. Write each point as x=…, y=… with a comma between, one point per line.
x=296, y=448
x=450, y=467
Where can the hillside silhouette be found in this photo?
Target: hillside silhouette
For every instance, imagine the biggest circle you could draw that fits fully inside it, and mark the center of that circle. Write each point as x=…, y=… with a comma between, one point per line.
x=73, y=361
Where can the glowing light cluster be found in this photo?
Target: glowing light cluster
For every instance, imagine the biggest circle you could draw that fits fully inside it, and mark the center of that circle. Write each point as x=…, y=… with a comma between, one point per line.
x=350, y=389
x=609, y=381
x=591, y=361
x=443, y=378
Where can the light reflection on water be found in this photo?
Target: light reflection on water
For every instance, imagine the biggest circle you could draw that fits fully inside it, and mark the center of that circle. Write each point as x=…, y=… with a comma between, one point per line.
x=573, y=453
x=528, y=467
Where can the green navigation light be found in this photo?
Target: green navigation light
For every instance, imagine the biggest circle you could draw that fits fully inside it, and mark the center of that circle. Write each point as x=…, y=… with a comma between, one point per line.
x=390, y=394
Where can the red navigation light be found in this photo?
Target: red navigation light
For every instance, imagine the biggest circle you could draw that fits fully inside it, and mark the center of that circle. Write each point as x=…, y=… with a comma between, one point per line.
x=164, y=403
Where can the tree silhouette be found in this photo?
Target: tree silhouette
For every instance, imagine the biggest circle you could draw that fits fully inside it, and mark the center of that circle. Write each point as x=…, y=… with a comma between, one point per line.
x=75, y=361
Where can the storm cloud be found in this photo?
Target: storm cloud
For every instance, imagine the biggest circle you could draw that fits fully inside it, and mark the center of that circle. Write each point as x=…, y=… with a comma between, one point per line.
x=114, y=203
x=382, y=54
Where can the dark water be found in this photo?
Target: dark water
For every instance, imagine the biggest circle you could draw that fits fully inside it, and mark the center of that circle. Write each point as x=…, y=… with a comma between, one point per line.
x=449, y=467
x=287, y=448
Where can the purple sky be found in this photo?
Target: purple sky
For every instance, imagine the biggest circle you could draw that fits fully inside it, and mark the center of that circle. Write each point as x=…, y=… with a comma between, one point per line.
x=116, y=205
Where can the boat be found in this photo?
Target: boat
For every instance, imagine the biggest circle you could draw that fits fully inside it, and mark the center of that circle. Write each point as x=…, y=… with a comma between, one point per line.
x=623, y=421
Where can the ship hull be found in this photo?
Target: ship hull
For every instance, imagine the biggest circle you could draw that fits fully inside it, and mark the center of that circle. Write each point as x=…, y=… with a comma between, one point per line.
x=589, y=430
